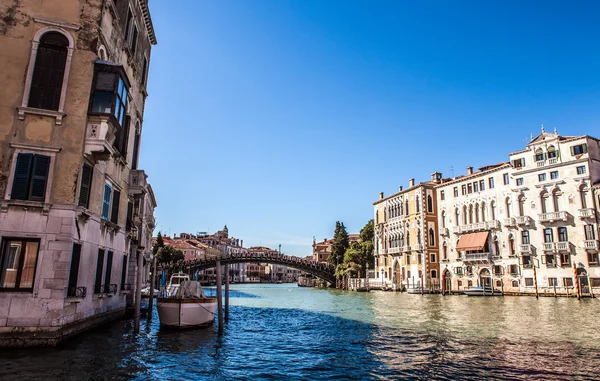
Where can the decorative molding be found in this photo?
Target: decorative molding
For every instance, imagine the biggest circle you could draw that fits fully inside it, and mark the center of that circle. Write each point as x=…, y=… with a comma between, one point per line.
x=22, y=110
x=30, y=147
x=61, y=24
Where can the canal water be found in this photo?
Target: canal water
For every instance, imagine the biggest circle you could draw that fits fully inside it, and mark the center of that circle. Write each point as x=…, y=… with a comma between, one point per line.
x=285, y=332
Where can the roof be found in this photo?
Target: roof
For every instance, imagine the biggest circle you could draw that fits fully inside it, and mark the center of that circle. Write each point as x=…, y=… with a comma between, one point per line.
x=148, y=21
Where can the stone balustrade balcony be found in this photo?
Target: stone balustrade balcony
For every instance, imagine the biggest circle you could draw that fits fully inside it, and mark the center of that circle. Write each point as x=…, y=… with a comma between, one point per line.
x=393, y=250
x=443, y=231
x=477, y=258
x=494, y=224
x=99, y=137
x=553, y=217
x=563, y=246
x=509, y=222
x=587, y=213
x=382, y=251
x=418, y=247
x=590, y=244
x=548, y=246
x=405, y=248
x=137, y=182
x=456, y=229
x=526, y=248
x=523, y=220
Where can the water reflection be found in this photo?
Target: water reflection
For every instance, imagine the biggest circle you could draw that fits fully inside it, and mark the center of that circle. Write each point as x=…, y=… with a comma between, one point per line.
x=284, y=332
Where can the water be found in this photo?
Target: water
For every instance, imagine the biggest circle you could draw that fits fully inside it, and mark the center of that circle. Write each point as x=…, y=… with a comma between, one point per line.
x=284, y=332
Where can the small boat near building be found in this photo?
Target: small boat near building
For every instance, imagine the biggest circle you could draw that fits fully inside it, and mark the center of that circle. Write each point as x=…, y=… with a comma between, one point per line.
x=184, y=305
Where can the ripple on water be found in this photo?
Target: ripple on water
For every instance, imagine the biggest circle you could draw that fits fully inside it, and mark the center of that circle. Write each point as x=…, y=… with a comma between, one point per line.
x=279, y=332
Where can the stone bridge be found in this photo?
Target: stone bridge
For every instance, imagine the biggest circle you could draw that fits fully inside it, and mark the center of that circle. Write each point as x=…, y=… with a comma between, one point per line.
x=320, y=270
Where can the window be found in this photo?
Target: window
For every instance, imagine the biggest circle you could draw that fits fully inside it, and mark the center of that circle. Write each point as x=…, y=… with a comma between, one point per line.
x=417, y=204
x=567, y=282
x=548, y=236
x=30, y=177
x=18, y=260
x=144, y=72
x=433, y=274
x=463, y=189
x=49, y=71
x=593, y=259
x=551, y=152
x=442, y=196
x=511, y=245
x=506, y=179
x=539, y=155
x=528, y=282
x=408, y=261
x=491, y=182
x=542, y=177
x=565, y=259
x=431, y=237
x=513, y=269
x=433, y=258
x=589, y=232
x=429, y=204
x=74, y=271
x=455, y=191
x=476, y=186
x=554, y=175
x=106, y=201
x=108, y=272
x=518, y=163
x=128, y=24
x=562, y=234
x=550, y=260
x=134, y=38
x=469, y=283
x=99, y=265
x=445, y=251
x=526, y=260
x=109, y=93
x=519, y=181
x=482, y=185
x=469, y=188
x=85, y=186
x=515, y=283
x=553, y=282
x=581, y=170
x=123, y=272
x=579, y=149
x=458, y=271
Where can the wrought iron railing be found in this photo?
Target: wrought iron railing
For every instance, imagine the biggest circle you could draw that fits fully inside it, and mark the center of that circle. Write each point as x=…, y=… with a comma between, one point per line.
x=76, y=292
x=126, y=287
x=110, y=289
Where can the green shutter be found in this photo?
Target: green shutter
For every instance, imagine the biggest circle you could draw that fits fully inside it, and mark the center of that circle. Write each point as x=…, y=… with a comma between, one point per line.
x=39, y=178
x=87, y=172
x=106, y=201
x=20, y=188
x=584, y=148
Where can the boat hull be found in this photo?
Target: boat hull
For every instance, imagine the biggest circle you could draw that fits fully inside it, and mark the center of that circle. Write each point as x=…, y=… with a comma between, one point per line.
x=184, y=313
x=480, y=292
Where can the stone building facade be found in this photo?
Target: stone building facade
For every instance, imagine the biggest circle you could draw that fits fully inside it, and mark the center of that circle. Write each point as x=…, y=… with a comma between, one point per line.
x=406, y=243
x=530, y=223
x=75, y=208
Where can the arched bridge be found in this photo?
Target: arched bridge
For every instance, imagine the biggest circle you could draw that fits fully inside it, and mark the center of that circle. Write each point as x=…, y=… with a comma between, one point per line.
x=318, y=269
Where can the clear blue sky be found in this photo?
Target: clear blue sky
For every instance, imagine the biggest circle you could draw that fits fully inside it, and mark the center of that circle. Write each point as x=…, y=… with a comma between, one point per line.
x=279, y=118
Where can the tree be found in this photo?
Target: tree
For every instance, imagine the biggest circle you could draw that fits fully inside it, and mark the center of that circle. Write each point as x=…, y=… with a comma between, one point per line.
x=159, y=244
x=339, y=245
x=367, y=238
x=167, y=254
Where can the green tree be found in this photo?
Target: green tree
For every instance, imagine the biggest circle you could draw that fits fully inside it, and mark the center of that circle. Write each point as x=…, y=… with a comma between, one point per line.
x=167, y=254
x=159, y=244
x=339, y=245
x=367, y=239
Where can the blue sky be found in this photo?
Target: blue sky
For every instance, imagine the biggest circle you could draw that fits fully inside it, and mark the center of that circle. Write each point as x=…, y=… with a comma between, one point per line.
x=279, y=118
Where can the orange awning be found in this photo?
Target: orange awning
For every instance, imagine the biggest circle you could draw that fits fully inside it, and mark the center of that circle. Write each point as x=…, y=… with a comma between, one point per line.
x=472, y=241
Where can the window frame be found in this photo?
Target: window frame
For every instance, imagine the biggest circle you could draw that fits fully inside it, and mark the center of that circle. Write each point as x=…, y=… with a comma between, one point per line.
x=541, y=177
x=24, y=108
x=119, y=101
x=554, y=175
x=506, y=178
x=30, y=149
x=581, y=170
x=519, y=182
x=23, y=241
x=491, y=182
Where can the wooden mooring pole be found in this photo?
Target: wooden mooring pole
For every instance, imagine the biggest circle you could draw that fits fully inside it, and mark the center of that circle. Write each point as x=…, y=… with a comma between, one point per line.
x=227, y=292
x=152, y=283
x=138, y=288
x=219, y=297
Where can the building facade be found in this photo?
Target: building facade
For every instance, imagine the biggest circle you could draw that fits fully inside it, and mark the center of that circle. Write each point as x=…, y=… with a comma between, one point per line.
x=76, y=209
x=322, y=250
x=526, y=226
x=406, y=241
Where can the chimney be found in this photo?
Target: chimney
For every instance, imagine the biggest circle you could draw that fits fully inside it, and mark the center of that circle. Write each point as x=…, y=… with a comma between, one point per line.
x=381, y=195
x=400, y=188
x=411, y=183
x=469, y=170
x=436, y=177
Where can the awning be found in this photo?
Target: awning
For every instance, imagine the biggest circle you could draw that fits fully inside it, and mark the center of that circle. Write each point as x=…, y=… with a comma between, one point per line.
x=472, y=241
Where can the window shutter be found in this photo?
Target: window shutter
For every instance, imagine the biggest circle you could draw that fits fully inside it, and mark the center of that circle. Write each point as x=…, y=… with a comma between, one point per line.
x=98, y=280
x=584, y=148
x=543, y=259
x=136, y=148
x=134, y=37
x=74, y=270
x=39, y=178
x=114, y=214
x=108, y=272
x=129, y=221
x=48, y=72
x=572, y=150
x=86, y=185
x=21, y=177
x=106, y=201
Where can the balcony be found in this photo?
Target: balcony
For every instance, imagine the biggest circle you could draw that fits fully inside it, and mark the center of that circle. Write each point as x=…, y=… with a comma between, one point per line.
x=418, y=247
x=393, y=250
x=590, y=244
x=563, y=246
x=137, y=182
x=587, y=213
x=552, y=161
x=509, y=222
x=553, y=216
x=524, y=220
x=495, y=224
x=456, y=229
x=526, y=248
x=100, y=137
x=477, y=258
x=548, y=246
x=473, y=227
x=77, y=292
x=382, y=251
x=405, y=248
x=443, y=231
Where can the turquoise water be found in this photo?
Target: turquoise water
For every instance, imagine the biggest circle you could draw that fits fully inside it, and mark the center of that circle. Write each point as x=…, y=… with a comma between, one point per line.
x=285, y=332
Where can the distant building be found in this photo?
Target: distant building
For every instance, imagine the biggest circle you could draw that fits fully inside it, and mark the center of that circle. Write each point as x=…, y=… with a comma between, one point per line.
x=322, y=250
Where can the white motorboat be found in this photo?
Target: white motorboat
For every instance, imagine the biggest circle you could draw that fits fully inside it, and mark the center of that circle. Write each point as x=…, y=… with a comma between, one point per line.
x=184, y=304
x=482, y=291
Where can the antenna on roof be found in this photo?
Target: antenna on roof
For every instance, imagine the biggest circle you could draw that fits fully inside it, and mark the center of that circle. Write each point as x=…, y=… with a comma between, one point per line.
x=452, y=171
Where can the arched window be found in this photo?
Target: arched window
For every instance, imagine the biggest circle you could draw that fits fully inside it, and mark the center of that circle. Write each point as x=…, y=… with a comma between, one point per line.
x=49, y=72
x=377, y=216
x=551, y=152
x=445, y=251
x=408, y=238
x=507, y=205
x=429, y=204
x=556, y=200
x=483, y=212
x=406, y=206
x=511, y=245
x=400, y=206
x=476, y=212
x=417, y=204
x=539, y=155
x=522, y=205
x=470, y=214
x=456, y=216
x=583, y=196
x=418, y=236
x=543, y=201
x=496, y=247
x=464, y=212
x=431, y=237
x=493, y=210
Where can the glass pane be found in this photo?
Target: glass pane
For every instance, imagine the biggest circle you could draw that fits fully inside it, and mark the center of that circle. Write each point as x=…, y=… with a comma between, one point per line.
x=31, y=252
x=10, y=265
x=121, y=87
x=102, y=102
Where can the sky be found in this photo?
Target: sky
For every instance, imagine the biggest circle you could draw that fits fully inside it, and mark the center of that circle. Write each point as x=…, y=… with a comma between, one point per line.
x=279, y=118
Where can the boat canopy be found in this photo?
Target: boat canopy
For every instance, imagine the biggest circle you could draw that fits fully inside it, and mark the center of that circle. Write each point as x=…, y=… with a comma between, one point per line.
x=189, y=289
